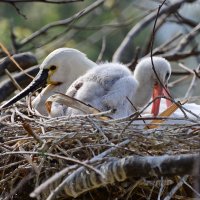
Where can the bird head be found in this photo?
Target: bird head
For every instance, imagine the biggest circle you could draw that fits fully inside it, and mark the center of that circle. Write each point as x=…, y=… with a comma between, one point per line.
x=161, y=74
x=63, y=65
x=154, y=75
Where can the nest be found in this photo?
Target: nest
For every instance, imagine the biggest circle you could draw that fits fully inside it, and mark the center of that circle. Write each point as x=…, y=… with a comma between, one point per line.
x=88, y=158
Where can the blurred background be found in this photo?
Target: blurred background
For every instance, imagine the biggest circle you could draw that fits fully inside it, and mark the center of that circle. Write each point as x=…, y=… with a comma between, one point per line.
x=42, y=27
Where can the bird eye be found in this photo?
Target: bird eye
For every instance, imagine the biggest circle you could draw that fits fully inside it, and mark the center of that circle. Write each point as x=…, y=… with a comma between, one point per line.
x=167, y=76
x=53, y=67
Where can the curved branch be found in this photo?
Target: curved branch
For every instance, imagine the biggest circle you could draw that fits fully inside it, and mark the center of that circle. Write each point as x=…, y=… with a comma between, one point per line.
x=7, y=87
x=132, y=167
x=64, y=22
x=25, y=60
x=187, y=38
x=121, y=51
x=41, y=1
x=120, y=169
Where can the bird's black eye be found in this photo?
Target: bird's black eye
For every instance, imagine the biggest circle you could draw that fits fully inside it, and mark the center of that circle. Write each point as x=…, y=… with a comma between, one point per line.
x=167, y=76
x=53, y=67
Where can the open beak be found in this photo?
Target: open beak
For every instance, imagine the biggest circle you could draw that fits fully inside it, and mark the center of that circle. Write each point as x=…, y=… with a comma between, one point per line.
x=38, y=81
x=159, y=91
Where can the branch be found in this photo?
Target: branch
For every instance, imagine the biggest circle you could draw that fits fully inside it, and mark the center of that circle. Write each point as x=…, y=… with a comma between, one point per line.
x=187, y=38
x=64, y=22
x=117, y=170
x=18, y=10
x=41, y=1
x=193, y=83
x=184, y=20
x=122, y=49
x=25, y=60
x=166, y=46
x=180, y=55
x=7, y=87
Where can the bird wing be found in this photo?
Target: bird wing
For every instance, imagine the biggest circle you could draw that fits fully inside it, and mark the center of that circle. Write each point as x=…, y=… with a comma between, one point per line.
x=71, y=102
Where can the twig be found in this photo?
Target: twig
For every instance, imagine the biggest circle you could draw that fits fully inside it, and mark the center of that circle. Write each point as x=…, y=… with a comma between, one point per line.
x=151, y=50
x=160, y=22
x=118, y=55
x=173, y=83
x=175, y=188
x=64, y=22
x=187, y=21
x=18, y=10
x=20, y=185
x=12, y=59
x=7, y=87
x=186, y=68
x=42, y=1
x=161, y=188
x=134, y=62
x=193, y=83
x=187, y=39
x=30, y=131
x=54, y=156
x=101, y=133
x=171, y=56
x=195, y=191
x=13, y=80
x=103, y=47
x=167, y=43
x=25, y=60
x=79, y=170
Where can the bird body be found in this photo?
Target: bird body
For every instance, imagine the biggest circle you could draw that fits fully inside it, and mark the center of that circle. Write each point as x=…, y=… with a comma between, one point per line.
x=113, y=86
x=105, y=86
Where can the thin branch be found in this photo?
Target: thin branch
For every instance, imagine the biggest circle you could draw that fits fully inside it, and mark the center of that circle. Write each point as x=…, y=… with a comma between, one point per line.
x=188, y=38
x=41, y=1
x=180, y=55
x=163, y=46
x=134, y=62
x=25, y=60
x=18, y=10
x=7, y=87
x=193, y=83
x=176, y=187
x=185, y=20
x=122, y=49
x=64, y=22
x=13, y=80
x=103, y=47
x=160, y=22
x=151, y=49
x=12, y=59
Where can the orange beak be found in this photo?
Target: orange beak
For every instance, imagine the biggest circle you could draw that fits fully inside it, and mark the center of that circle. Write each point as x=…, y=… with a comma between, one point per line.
x=159, y=91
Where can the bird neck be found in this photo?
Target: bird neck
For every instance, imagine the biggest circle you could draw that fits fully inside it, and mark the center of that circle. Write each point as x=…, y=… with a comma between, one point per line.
x=76, y=68
x=143, y=92
x=39, y=101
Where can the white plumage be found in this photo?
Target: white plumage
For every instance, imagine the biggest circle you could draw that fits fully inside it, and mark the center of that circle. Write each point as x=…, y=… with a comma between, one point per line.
x=70, y=64
x=105, y=86
x=113, y=86
x=58, y=70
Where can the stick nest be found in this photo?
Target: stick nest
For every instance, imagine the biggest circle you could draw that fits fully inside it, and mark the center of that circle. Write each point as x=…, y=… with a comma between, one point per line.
x=34, y=148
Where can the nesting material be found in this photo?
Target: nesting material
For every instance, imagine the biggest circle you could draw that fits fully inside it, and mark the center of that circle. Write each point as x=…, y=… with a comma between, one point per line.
x=89, y=158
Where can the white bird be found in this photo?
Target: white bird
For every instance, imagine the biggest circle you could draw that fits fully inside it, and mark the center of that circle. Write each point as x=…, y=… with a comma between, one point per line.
x=113, y=86
x=59, y=69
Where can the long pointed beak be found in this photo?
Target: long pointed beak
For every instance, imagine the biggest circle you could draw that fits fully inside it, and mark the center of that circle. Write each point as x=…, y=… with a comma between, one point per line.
x=159, y=91
x=38, y=81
